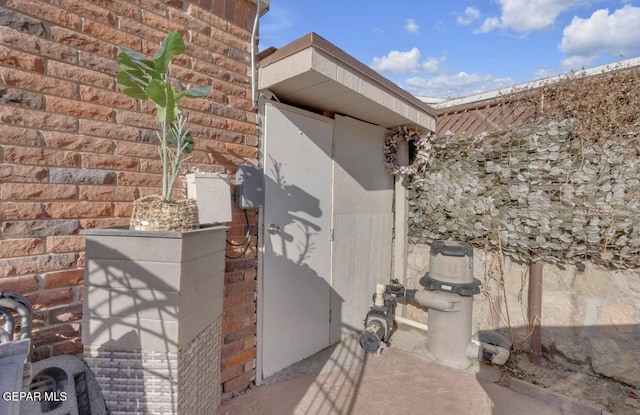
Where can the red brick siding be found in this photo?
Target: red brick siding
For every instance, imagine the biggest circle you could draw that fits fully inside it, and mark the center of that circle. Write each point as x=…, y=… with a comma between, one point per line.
x=75, y=152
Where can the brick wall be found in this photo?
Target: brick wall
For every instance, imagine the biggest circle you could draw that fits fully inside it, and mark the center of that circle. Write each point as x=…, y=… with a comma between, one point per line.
x=75, y=152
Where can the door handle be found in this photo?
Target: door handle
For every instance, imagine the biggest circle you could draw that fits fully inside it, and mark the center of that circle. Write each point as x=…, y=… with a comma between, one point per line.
x=274, y=229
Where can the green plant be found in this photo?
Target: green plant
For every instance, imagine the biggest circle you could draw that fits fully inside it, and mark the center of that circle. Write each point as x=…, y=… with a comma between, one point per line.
x=148, y=79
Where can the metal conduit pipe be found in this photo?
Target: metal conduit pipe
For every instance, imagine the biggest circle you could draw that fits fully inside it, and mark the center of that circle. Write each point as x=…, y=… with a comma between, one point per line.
x=8, y=325
x=23, y=312
x=535, y=311
x=254, y=87
x=4, y=336
x=18, y=303
x=17, y=297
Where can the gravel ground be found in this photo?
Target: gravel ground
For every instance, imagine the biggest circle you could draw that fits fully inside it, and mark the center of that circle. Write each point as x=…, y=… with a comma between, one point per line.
x=595, y=390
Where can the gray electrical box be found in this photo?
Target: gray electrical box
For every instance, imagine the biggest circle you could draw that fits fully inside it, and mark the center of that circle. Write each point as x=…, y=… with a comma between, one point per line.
x=249, y=187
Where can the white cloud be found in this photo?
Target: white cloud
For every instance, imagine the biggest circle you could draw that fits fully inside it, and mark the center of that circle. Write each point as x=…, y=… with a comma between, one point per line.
x=488, y=25
x=405, y=62
x=542, y=73
x=525, y=16
x=458, y=85
x=615, y=33
x=412, y=27
x=470, y=15
x=432, y=65
x=397, y=61
x=576, y=63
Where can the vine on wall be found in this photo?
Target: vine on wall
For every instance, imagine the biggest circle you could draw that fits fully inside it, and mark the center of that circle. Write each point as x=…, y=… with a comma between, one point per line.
x=563, y=188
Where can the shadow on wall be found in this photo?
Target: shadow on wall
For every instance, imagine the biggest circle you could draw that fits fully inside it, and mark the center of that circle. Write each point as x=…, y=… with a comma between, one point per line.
x=302, y=212
x=301, y=310
x=152, y=316
x=126, y=305
x=325, y=383
x=304, y=309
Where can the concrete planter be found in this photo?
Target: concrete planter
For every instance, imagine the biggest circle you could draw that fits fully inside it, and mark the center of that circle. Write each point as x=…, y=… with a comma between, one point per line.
x=152, y=318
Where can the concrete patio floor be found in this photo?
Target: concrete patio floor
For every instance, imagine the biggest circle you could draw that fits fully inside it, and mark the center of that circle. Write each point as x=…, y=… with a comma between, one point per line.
x=343, y=380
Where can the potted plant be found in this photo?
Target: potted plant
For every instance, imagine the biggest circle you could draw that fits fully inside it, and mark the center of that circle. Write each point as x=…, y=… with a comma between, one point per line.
x=153, y=294
x=148, y=79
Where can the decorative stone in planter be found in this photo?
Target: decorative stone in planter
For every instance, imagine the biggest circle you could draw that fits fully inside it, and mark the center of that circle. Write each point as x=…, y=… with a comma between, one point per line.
x=151, y=324
x=153, y=213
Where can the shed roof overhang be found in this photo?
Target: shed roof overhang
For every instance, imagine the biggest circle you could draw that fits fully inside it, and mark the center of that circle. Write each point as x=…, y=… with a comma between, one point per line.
x=311, y=72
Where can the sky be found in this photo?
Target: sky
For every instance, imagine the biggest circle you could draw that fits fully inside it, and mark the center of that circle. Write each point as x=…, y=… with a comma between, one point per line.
x=451, y=49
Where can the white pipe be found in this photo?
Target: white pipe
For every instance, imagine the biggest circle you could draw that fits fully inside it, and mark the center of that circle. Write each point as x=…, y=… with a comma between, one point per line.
x=254, y=31
x=437, y=300
x=379, y=298
x=412, y=323
x=253, y=58
x=499, y=355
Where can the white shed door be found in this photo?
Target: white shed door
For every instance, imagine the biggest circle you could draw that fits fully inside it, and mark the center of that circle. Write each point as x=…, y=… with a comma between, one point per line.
x=362, y=222
x=296, y=276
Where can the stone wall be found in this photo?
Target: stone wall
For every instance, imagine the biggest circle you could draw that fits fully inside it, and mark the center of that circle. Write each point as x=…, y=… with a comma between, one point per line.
x=75, y=152
x=590, y=318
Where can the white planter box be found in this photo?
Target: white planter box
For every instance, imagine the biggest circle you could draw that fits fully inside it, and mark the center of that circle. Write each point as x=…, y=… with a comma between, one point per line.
x=152, y=318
